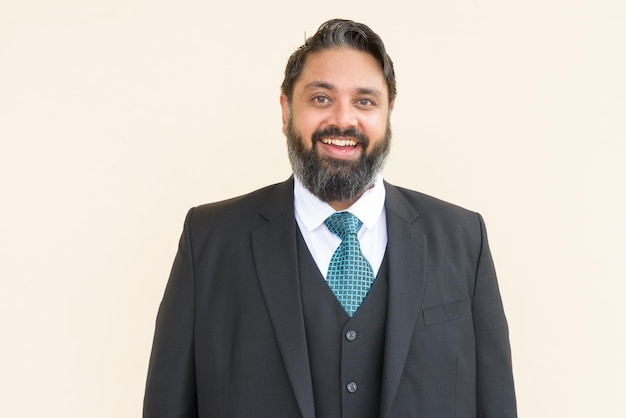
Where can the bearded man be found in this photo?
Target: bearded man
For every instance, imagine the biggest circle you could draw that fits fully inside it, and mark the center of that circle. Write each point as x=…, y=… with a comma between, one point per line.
x=333, y=294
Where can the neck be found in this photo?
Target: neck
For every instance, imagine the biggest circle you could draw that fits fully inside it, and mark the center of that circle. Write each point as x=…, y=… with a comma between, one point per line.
x=339, y=206
x=345, y=204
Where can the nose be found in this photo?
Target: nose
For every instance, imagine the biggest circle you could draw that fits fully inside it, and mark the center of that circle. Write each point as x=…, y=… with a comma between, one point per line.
x=343, y=115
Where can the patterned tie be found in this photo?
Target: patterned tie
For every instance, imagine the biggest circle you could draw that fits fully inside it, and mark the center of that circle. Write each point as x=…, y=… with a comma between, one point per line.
x=350, y=275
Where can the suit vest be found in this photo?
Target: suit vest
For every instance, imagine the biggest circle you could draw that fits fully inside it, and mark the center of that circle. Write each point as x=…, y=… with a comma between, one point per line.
x=345, y=354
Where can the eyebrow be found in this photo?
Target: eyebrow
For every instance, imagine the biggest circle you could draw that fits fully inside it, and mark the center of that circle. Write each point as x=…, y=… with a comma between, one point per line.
x=369, y=91
x=328, y=86
x=319, y=84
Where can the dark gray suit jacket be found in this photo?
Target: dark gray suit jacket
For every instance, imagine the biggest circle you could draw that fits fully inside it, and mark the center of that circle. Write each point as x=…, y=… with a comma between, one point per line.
x=230, y=338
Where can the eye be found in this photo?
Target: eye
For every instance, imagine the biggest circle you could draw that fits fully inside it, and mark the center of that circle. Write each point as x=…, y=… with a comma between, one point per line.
x=365, y=102
x=321, y=99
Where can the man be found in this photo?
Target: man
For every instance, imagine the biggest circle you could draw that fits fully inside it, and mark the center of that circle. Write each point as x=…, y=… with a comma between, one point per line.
x=254, y=322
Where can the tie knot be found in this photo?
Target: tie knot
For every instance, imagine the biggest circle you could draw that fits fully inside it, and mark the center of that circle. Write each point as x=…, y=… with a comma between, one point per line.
x=343, y=224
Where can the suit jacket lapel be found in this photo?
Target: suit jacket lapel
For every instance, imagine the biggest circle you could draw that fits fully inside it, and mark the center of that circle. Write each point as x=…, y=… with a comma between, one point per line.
x=275, y=253
x=407, y=250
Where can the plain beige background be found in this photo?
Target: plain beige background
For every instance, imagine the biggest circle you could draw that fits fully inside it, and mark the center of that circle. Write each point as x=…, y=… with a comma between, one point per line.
x=117, y=116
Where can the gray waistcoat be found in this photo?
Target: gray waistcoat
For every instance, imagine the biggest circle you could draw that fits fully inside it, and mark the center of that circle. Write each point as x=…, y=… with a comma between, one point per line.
x=346, y=354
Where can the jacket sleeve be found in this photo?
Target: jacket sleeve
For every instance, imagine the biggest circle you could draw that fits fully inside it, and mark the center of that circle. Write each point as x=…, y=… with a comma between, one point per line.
x=170, y=388
x=495, y=391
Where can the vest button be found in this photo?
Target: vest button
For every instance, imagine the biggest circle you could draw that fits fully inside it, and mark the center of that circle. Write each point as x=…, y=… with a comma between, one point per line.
x=351, y=335
x=352, y=387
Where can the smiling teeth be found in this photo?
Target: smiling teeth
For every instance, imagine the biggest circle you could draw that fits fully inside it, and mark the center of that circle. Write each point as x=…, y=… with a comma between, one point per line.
x=339, y=142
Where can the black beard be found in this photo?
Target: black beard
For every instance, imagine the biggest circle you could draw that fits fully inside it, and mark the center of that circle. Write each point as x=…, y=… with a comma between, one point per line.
x=334, y=180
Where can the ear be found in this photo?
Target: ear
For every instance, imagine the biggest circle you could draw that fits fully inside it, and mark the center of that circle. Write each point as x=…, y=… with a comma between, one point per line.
x=284, y=104
x=391, y=105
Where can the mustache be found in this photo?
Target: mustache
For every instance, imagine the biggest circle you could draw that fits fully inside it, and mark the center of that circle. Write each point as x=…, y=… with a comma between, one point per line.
x=335, y=132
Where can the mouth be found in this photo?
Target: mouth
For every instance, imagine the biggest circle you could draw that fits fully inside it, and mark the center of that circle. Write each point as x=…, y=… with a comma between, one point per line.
x=340, y=148
x=339, y=142
x=349, y=144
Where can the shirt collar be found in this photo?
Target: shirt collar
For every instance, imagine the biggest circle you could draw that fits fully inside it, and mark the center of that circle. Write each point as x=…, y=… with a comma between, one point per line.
x=314, y=211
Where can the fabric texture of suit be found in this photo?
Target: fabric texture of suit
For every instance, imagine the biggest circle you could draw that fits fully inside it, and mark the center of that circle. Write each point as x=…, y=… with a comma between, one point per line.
x=230, y=338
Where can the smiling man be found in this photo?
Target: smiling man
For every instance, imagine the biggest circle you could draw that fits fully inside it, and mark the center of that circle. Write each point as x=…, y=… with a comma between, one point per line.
x=336, y=119
x=334, y=293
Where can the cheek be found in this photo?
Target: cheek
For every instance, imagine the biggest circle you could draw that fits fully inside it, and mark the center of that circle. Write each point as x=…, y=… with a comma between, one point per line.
x=311, y=120
x=375, y=127
x=307, y=123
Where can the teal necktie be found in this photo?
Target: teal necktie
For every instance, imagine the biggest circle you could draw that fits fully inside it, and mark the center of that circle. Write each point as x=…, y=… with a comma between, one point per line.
x=350, y=275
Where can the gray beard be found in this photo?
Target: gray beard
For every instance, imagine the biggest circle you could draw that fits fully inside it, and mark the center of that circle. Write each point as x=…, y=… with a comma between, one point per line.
x=334, y=180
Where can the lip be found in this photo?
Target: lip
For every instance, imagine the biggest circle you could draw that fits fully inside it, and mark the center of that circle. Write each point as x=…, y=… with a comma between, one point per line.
x=340, y=148
x=340, y=142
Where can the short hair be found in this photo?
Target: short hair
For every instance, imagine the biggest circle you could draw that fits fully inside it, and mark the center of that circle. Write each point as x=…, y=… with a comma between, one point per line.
x=340, y=33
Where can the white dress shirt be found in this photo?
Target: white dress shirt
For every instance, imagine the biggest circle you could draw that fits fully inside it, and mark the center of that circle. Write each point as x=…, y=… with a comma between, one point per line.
x=311, y=212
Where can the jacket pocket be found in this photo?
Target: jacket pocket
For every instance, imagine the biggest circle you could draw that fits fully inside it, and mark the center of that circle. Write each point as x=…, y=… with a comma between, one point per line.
x=447, y=313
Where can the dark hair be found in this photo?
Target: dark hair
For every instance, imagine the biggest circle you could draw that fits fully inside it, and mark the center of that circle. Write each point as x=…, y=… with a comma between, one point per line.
x=338, y=33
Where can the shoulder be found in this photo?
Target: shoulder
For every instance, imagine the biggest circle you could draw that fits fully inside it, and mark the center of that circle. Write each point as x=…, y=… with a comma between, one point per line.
x=424, y=204
x=243, y=211
x=252, y=201
x=431, y=213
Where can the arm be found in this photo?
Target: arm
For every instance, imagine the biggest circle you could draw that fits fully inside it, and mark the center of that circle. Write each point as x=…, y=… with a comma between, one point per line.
x=170, y=387
x=494, y=378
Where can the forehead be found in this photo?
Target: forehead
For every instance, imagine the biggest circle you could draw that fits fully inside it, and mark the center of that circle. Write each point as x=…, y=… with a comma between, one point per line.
x=342, y=68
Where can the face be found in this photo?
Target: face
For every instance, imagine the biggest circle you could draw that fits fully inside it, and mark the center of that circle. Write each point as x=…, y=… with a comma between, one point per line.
x=337, y=124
